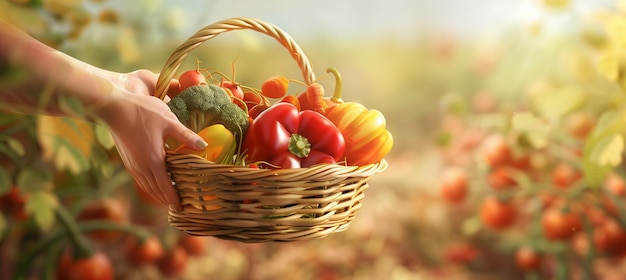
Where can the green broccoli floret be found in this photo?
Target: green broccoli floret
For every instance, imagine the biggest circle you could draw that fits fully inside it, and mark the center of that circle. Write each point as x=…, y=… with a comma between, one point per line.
x=200, y=106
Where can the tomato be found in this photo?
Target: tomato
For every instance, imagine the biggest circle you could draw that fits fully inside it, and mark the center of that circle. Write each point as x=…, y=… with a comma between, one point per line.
x=234, y=88
x=497, y=214
x=460, y=252
x=252, y=99
x=609, y=237
x=495, y=150
x=528, y=259
x=194, y=245
x=191, y=78
x=96, y=267
x=580, y=125
x=144, y=253
x=615, y=184
x=13, y=203
x=293, y=100
x=275, y=87
x=560, y=225
x=221, y=144
x=173, y=262
x=454, y=184
x=501, y=178
x=257, y=110
x=565, y=175
x=367, y=139
x=109, y=209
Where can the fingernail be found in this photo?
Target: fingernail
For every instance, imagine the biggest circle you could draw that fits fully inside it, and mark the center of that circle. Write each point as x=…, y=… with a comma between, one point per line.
x=200, y=144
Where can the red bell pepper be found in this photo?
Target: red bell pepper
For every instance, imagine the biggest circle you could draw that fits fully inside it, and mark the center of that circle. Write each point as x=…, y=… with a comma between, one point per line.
x=287, y=138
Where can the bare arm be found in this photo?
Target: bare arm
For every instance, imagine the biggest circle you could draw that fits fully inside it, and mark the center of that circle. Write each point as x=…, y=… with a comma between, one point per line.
x=31, y=72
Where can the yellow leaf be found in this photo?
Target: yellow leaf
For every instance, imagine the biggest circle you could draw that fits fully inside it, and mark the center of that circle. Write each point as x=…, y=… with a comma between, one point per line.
x=77, y=135
x=608, y=151
x=608, y=66
x=127, y=46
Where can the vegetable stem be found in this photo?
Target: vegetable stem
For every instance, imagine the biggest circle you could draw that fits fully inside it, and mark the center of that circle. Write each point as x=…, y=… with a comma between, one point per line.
x=337, y=93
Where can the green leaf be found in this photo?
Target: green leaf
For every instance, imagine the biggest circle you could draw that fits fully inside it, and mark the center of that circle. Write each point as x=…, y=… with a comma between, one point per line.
x=42, y=205
x=69, y=157
x=4, y=225
x=608, y=151
x=533, y=130
x=71, y=106
x=16, y=146
x=556, y=102
x=104, y=137
x=5, y=181
x=31, y=179
x=595, y=174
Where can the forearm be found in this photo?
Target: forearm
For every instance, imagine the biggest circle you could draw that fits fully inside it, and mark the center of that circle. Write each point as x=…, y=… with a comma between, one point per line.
x=34, y=76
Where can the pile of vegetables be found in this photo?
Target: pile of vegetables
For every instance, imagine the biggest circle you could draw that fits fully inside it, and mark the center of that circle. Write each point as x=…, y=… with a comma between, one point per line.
x=267, y=128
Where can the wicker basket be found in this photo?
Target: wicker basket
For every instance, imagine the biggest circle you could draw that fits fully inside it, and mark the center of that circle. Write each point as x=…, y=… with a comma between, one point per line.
x=258, y=205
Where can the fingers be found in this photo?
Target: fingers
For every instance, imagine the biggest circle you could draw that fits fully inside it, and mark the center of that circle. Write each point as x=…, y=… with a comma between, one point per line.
x=185, y=136
x=166, y=189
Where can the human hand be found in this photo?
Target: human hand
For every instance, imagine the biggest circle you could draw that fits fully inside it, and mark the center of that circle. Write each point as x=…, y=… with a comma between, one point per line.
x=139, y=122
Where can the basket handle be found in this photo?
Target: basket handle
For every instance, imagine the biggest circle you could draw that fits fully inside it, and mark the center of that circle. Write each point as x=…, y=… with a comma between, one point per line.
x=212, y=30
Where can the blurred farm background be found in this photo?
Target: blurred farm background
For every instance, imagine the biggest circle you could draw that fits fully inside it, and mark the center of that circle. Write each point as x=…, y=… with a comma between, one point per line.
x=507, y=116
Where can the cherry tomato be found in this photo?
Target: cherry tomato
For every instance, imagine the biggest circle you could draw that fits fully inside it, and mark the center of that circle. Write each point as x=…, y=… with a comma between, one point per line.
x=609, y=237
x=96, y=267
x=497, y=214
x=194, y=245
x=460, y=252
x=191, y=78
x=252, y=99
x=234, y=88
x=13, y=203
x=501, y=178
x=173, y=262
x=453, y=184
x=496, y=151
x=109, y=209
x=580, y=125
x=565, y=175
x=144, y=253
x=528, y=259
x=615, y=184
x=560, y=225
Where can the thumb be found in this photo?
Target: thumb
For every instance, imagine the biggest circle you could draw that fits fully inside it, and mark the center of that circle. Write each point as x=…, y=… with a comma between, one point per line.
x=187, y=137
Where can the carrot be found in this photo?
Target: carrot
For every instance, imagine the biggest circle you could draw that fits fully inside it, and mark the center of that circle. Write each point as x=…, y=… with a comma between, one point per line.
x=315, y=97
x=275, y=87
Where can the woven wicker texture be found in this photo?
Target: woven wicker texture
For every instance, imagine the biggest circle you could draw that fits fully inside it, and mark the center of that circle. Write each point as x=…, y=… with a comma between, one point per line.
x=258, y=205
